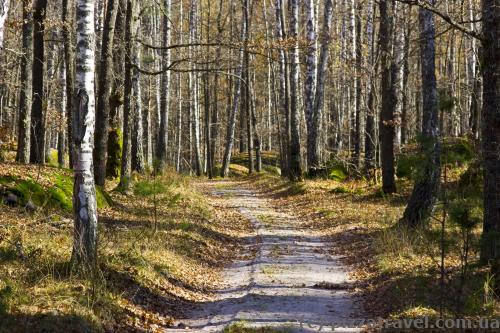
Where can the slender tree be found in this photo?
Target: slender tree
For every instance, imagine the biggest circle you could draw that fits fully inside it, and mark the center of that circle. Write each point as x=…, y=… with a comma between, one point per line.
x=491, y=133
x=4, y=12
x=295, y=147
x=84, y=195
x=387, y=121
x=37, y=150
x=69, y=60
x=231, y=123
x=104, y=92
x=126, y=164
x=24, y=133
x=426, y=188
x=314, y=148
x=310, y=82
x=165, y=88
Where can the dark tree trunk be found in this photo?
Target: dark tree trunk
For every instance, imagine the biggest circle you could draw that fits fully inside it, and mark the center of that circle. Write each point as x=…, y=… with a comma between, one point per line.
x=491, y=133
x=425, y=192
x=165, y=95
x=37, y=151
x=126, y=165
x=69, y=59
x=103, y=96
x=114, y=148
x=387, y=121
x=23, y=143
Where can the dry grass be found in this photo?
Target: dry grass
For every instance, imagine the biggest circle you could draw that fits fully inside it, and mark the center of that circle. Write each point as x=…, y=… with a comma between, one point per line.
x=145, y=277
x=396, y=269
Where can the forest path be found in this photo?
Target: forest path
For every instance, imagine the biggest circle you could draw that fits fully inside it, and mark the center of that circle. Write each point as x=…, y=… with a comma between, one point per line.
x=289, y=280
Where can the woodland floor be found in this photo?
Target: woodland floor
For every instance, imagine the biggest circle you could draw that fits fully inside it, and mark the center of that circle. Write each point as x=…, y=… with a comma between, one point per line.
x=286, y=279
x=179, y=254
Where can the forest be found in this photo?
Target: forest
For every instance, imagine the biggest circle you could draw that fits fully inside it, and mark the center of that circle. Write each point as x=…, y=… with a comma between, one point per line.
x=249, y=165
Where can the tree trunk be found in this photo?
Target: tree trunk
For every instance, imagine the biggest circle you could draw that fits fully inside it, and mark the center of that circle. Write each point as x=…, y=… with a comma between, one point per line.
x=4, y=12
x=23, y=142
x=165, y=88
x=295, y=151
x=193, y=89
x=491, y=133
x=370, y=135
x=37, y=150
x=387, y=121
x=61, y=137
x=69, y=59
x=84, y=195
x=279, y=34
x=126, y=165
x=231, y=124
x=137, y=116
x=104, y=92
x=310, y=82
x=425, y=192
x=116, y=100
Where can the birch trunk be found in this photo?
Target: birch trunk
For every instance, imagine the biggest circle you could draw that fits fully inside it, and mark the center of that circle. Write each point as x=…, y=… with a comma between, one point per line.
x=165, y=90
x=295, y=148
x=24, y=134
x=425, y=192
x=279, y=34
x=310, y=82
x=4, y=12
x=231, y=124
x=370, y=135
x=314, y=148
x=138, y=121
x=84, y=196
x=193, y=89
x=61, y=138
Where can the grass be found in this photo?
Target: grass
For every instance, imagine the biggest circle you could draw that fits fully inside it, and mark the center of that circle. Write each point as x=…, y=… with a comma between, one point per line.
x=388, y=260
x=142, y=273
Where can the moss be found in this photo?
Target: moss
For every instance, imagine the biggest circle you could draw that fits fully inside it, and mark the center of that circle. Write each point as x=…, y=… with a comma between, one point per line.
x=58, y=195
x=115, y=148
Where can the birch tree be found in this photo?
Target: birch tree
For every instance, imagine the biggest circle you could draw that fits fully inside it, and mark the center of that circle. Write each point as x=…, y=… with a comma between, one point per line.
x=24, y=126
x=165, y=89
x=84, y=195
x=4, y=12
x=314, y=148
x=310, y=82
x=295, y=147
x=231, y=123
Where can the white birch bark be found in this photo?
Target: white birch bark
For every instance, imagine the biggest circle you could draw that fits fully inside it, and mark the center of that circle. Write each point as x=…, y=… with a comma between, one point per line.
x=310, y=83
x=295, y=151
x=165, y=89
x=84, y=196
x=4, y=12
x=231, y=125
